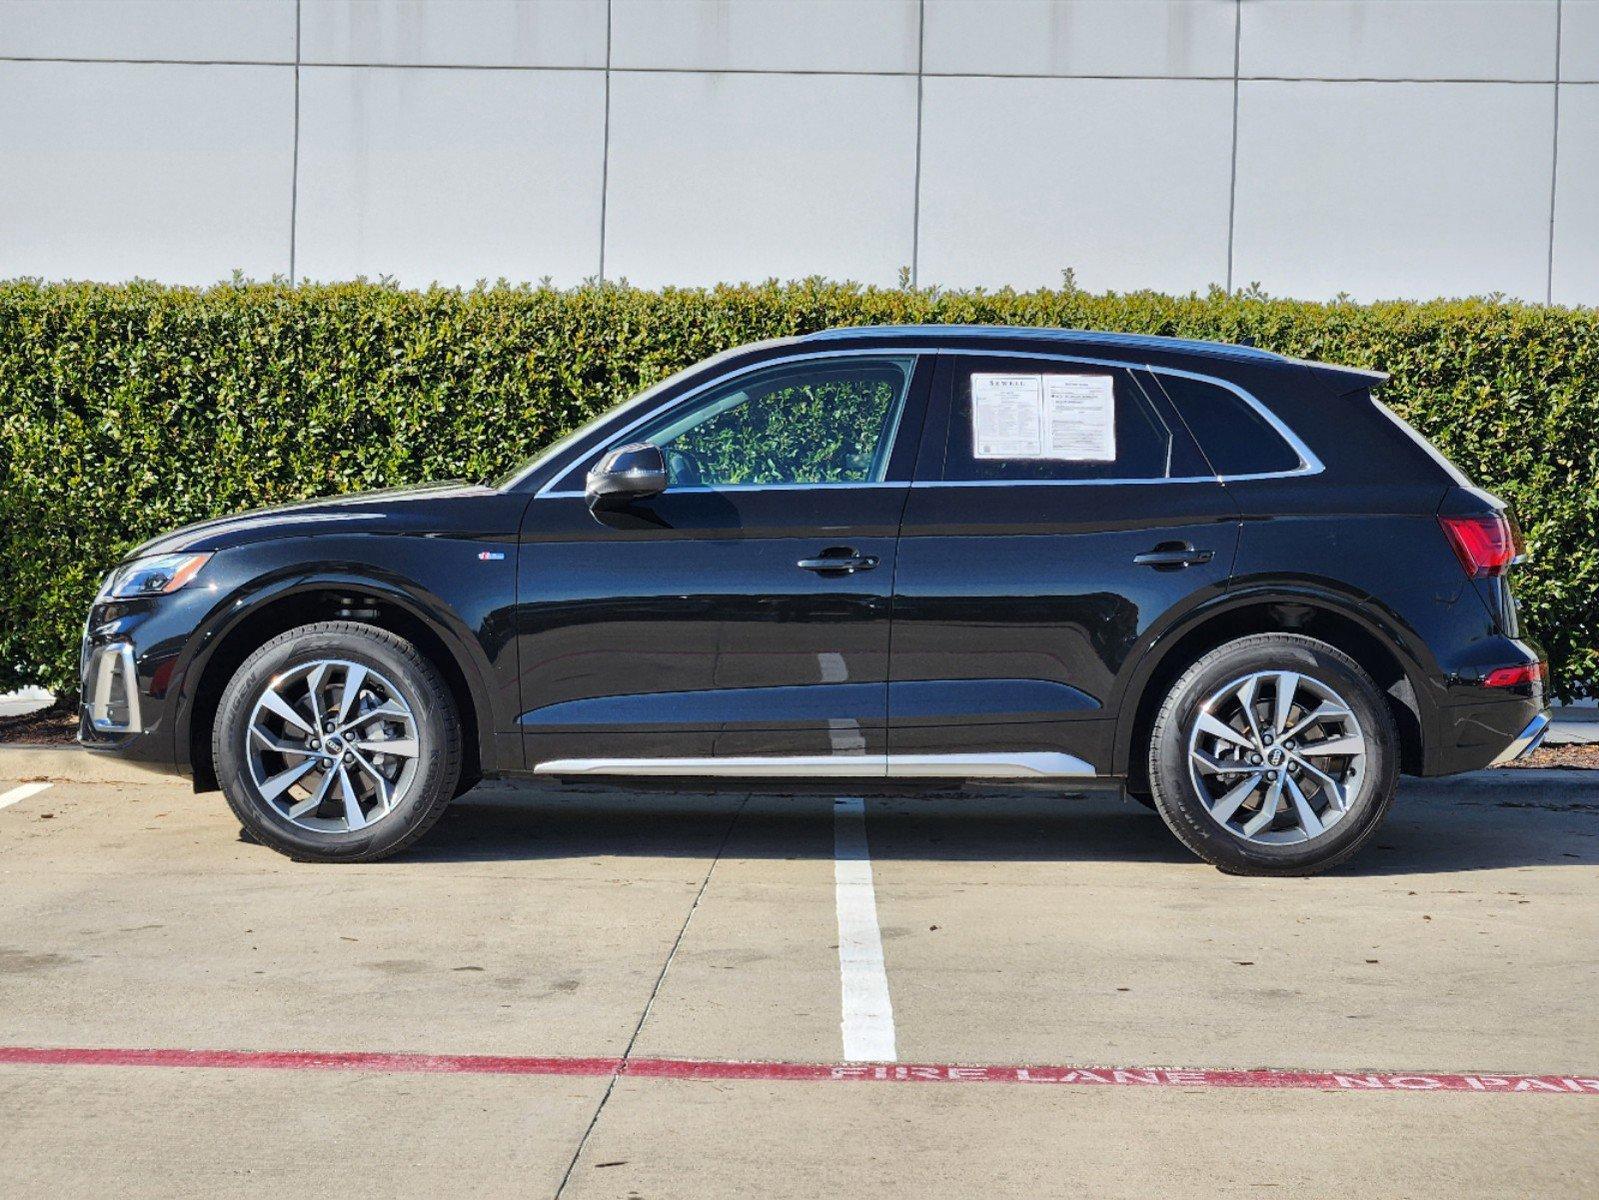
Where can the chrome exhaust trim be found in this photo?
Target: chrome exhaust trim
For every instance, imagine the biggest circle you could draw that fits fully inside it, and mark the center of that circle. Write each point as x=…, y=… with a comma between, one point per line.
x=1526, y=741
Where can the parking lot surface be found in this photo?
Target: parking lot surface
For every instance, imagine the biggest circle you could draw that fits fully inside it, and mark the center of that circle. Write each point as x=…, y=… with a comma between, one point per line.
x=581, y=993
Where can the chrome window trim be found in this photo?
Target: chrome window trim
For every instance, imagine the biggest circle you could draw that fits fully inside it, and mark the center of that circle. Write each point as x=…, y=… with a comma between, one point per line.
x=915, y=355
x=974, y=483
x=753, y=487
x=1023, y=765
x=1309, y=463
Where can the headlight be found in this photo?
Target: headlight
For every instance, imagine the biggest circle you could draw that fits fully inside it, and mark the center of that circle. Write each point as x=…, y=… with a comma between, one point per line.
x=154, y=576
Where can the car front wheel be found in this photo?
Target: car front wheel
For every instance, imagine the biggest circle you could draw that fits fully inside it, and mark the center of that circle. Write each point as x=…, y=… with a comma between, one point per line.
x=337, y=742
x=1274, y=754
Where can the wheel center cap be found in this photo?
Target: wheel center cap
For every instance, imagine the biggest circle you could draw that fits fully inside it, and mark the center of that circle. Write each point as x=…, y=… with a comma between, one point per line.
x=1274, y=757
x=335, y=745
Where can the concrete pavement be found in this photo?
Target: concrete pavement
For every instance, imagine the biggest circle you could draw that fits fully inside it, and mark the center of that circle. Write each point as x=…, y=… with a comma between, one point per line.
x=1015, y=928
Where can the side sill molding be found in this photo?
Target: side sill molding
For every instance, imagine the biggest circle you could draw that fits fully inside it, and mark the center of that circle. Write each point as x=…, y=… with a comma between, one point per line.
x=1040, y=765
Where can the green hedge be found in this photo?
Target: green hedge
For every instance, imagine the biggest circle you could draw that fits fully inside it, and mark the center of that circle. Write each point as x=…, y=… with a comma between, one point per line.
x=130, y=409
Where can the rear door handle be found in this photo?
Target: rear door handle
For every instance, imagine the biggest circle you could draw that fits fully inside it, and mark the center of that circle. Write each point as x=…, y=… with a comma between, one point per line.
x=840, y=560
x=1173, y=554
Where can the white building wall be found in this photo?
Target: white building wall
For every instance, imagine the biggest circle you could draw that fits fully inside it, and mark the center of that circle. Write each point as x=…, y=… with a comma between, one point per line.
x=1380, y=148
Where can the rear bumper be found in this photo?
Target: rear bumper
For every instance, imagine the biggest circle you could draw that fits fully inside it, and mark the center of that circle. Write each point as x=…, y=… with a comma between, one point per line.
x=1526, y=741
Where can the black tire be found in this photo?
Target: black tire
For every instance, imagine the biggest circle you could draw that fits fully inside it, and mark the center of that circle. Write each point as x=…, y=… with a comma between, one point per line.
x=1178, y=800
x=438, y=730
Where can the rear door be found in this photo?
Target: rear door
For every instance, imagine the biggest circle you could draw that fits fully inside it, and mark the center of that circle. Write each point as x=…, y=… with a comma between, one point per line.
x=1060, y=508
x=742, y=615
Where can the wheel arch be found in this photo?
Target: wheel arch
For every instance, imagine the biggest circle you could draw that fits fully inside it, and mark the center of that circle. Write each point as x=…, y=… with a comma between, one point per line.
x=247, y=622
x=1380, y=647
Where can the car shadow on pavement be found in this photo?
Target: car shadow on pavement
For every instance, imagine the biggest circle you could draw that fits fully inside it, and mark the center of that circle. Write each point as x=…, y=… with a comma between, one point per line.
x=1482, y=822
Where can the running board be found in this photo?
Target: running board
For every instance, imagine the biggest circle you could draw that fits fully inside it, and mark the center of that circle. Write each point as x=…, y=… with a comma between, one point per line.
x=822, y=766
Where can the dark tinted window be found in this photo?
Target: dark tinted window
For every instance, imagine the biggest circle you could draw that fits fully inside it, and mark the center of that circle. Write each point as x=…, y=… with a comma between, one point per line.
x=1236, y=438
x=1038, y=419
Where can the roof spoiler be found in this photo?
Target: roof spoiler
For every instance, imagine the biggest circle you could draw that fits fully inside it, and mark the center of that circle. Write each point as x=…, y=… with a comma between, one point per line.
x=1343, y=380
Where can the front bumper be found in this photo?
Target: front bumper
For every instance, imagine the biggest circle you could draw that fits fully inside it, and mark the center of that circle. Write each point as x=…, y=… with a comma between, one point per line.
x=129, y=677
x=110, y=689
x=1526, y=741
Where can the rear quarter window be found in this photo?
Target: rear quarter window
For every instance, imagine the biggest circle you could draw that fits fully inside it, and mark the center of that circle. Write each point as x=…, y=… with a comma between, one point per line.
x=1234, y=436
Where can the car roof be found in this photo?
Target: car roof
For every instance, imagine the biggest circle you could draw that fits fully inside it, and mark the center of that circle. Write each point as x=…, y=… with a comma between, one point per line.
x=959, y=335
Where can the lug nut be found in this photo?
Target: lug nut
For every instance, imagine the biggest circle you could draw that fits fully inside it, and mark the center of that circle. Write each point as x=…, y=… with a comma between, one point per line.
x=1266, y=738
x=1255, y=758
x=1271, y=776
x=1289, y=744
x=349, y=758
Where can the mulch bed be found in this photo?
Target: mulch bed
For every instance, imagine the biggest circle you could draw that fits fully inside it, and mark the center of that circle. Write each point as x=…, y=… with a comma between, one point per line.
x=1579, y=757
x=53, y=726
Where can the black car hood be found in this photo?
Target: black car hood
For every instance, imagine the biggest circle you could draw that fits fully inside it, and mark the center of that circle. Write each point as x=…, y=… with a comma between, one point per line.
x=385, y=510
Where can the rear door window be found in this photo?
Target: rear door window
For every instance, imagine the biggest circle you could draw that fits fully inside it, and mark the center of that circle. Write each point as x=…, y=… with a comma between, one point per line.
x=1235, y=437
x=1037, y=419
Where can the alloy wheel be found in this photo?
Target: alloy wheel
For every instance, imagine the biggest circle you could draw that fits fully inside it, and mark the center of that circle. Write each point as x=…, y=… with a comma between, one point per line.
x=332, y=745
x=1276, y=757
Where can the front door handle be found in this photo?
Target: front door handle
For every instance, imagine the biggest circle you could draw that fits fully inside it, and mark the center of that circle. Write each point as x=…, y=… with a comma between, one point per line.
x=838, y=560
x=1172, y=555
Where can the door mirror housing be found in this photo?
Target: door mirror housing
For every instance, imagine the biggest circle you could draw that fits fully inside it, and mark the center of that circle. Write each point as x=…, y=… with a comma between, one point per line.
x=636, y=471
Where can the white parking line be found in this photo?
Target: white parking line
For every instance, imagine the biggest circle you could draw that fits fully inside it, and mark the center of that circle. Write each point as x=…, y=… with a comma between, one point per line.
x=868, y=1022
x=21, y=792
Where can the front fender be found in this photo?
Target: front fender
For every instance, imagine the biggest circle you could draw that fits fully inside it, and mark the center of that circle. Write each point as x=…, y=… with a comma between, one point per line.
x=252, y=600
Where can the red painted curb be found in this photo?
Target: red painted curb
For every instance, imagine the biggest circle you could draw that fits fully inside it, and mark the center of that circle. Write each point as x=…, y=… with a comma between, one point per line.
x=307, y=1060
x=694, y=1069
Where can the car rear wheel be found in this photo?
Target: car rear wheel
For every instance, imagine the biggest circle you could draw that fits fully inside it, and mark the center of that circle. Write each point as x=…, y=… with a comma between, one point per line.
x=337, y=742
x=1274, y=754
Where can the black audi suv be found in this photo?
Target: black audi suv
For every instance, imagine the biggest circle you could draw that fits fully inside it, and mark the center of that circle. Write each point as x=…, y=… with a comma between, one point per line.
x=870, y=558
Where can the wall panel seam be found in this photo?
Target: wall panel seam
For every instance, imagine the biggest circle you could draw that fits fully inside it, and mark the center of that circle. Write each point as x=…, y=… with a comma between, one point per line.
x=605, y=141
x=1554, y=159
x=294, y=168
x=1232, y=178
x=916, y=186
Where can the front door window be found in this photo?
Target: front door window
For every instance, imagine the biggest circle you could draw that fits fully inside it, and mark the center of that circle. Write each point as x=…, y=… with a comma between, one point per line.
x=808, y=423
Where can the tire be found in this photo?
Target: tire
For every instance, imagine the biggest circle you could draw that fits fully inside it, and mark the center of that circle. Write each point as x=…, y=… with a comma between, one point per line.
x=1206, y=798
x=265, y=729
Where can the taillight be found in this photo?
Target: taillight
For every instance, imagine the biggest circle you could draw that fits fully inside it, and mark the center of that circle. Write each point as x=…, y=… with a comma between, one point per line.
x=1516, y=676
x=1486, y=544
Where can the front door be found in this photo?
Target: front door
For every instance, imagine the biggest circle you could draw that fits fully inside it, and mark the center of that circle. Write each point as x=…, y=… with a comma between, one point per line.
x=1060, y=509
x=738, y=622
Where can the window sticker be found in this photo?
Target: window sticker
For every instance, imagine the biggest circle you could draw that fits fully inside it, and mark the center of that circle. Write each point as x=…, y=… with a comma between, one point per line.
x=1080, y=418
x=1058, y=418
x=1007, y=416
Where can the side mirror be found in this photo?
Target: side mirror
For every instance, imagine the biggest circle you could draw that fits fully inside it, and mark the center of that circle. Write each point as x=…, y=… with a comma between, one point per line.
x=633, y=472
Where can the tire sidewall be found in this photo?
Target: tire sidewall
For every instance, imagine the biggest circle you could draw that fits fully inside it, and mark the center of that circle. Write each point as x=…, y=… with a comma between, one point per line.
x=1179, y=802
x=430, y=706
